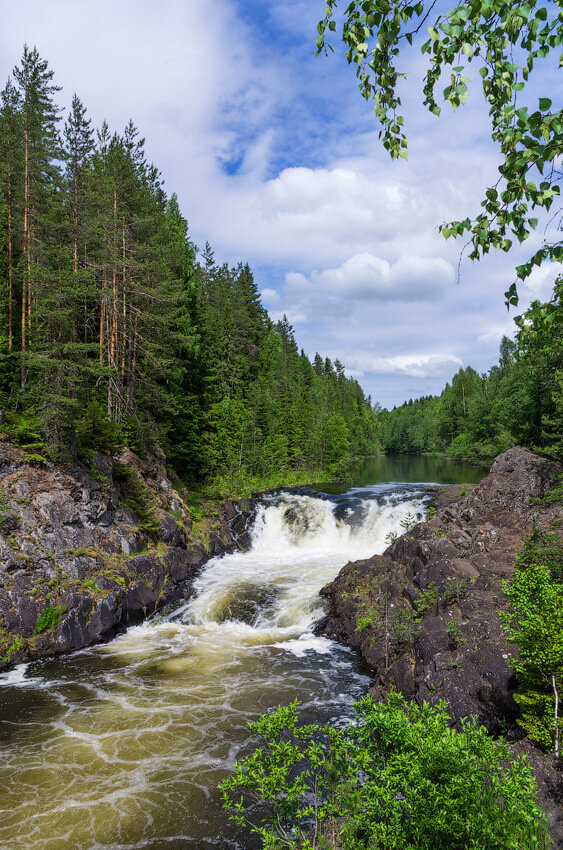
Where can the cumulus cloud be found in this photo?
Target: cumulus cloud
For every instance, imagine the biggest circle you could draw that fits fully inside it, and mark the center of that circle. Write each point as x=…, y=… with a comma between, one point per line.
x=270, y=296
x=495, y=333
x=414, y=365
x=293, y=316
x=367, y=277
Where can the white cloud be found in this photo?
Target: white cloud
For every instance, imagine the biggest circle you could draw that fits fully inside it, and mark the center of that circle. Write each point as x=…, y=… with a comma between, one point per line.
x=270, y=296
x=367, y=277
x=495, y=333
x=414, y=365
x=539, y=286
x=294, y=316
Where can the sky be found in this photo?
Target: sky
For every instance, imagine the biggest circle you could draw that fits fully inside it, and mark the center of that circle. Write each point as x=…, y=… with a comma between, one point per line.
x=276, y=162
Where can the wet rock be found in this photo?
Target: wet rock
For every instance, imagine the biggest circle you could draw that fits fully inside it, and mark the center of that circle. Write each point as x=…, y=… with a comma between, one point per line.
x=132, y=544
x=106, y=616
x=179, y=565
x=67, y=539
x=137, y=603
x=72, y=632
x=196, y=555
x=168, y=530
x=449, y=570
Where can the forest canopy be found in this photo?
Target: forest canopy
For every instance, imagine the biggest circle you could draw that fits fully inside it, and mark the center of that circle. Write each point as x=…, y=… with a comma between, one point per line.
x=115, y=330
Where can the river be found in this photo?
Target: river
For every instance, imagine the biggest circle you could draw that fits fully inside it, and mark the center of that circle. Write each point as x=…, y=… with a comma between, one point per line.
x=122, y=745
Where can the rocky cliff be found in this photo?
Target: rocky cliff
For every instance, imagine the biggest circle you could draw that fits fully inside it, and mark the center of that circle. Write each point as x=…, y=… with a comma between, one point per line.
x=87, y=551
x=423, y=616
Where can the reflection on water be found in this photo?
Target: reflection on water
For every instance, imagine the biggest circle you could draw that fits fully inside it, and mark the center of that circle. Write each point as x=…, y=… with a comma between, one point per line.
x=410, y=469
x=122, y=745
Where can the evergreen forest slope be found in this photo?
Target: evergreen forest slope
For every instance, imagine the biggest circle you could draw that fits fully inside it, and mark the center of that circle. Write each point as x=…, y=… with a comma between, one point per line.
x=476, y=417
x=113, y=333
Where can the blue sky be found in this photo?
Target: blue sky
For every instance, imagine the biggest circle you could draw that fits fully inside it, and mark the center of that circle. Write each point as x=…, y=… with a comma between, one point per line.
x=276, y=162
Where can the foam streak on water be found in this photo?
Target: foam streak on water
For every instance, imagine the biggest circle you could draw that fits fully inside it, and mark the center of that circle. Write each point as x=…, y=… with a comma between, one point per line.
x=122, y=745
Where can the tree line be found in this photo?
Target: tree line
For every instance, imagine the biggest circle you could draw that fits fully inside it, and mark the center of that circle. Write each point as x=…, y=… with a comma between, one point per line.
x=114, y=330
x=518, y=401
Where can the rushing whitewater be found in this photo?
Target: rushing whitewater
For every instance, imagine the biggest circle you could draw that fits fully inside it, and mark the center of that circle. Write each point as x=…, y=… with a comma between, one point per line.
x=122, y=745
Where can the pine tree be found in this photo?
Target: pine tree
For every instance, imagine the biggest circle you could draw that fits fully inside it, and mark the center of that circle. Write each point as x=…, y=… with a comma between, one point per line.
x=41, y=178
x=11, y=146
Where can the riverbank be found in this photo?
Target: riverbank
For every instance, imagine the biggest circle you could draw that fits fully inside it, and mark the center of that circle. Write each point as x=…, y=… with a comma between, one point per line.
x=85, y=552
x=423, y=616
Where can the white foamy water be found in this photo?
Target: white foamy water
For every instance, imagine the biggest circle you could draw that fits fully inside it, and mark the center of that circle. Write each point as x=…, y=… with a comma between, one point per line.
x=122, y=745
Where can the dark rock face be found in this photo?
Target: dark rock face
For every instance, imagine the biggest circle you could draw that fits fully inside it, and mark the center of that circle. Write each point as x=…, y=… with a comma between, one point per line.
x=66, y=540
x=424, y=615
x=446, y=574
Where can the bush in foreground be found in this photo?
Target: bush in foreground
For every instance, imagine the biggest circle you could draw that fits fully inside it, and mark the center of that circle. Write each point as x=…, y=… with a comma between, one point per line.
x=397, y=777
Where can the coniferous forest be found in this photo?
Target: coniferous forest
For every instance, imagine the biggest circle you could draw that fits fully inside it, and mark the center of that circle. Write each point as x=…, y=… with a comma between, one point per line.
x=115, y=330
x=519, y=401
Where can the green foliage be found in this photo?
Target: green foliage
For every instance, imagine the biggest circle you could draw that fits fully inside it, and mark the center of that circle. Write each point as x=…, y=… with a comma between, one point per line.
x=537, y=709
x=4, y=508
x=49, y=617
x=508, y=42
x=405, y=628
x=534, y=623
x=428, y=599
x=137, y=497
x=364, y=621
x=540, y=547
x=455, y=590
x=16, y=646
x=96, y=431
x=555, y=494
x=455, y=635
x=408, y=522
x=34, y=459
x=476, y=417
x=398, y=777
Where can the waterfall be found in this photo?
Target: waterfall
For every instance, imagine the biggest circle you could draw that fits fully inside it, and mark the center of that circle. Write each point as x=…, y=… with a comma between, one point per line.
x=121, y=746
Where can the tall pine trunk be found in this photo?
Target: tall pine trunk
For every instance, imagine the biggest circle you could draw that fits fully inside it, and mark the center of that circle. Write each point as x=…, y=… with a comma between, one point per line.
x=10, y=267
x=27, y=255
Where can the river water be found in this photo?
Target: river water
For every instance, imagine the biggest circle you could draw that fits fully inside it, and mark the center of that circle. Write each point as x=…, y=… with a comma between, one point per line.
x=122, y=745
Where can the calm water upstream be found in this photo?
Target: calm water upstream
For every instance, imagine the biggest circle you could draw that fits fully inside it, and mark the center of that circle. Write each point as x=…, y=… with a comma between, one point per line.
x=122, y=745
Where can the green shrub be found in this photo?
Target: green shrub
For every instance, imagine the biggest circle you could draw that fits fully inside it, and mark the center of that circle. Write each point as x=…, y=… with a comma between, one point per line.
x=537, y=713
x=408, y=522
x=15, y=646
x=34, y=459
x=4, y=508
x=399, y=777
x=542, y=548
x=455, y=636
x=428, y=599
x=455, y=590
x=49, y=617
x=96, y=432
x=404, y=631
x=137, y=497
x=364, y=622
